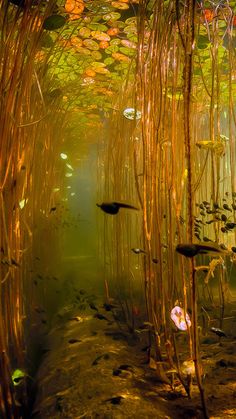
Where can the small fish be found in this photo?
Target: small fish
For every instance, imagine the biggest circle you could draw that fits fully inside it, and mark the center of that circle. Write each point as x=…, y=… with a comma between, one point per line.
x=224, y=230
x=100, y=316
x=39, y=310
x=233, y=248
x=218, y=332
x=206, y=203
x=73, y=341
x=230, y=226
x=205, y=239
x=192, y=249
x=226, y=207
x=137, y=251
x=114, y=207
x=108, y=307
x=223, y=217
x=125, y=367
x=76, y=318
x=13, y=262
x=92, y=306
x=53, y=209
x=222, y=246
x=154, y=260
x=115, y=400
x=103, y=356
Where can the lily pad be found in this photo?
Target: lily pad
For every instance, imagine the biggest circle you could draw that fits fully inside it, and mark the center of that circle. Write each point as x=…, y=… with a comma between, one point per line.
x=128, y=51
x=90, y=44
x=112, y=16
x=96, y=55
x=54, y=22
x=97, y=27
x=119, y=5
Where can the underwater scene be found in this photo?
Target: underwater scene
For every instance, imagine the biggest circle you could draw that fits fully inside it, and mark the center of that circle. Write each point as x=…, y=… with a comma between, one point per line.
x=117, y=209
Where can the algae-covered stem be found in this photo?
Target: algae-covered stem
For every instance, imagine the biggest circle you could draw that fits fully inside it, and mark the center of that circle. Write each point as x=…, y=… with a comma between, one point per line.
x=189, y=39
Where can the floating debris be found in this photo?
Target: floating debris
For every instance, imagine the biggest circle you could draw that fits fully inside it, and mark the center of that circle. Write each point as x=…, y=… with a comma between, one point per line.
x=216, y=146
x=113, y=207
x=137, y=251
x=188, y=367
x=131, y=113
x=180, y=318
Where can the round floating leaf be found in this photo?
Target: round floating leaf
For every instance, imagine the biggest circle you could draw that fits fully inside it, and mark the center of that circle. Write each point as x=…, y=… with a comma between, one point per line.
x=84, y=51
x=131, y=21
x=90, y=44
x=120, y=57
x=128, y=44
x=96, y=64
x=96, y=55
x=130, y=29
x=101, y=70
x=97, y=27
x=128, y=51
x=100, y=36
x=112, y=49
x=119, y=5
x=118, y=24
x=84, y=32
x=115, y=41
x=112, y=16
x=109, y=61
x=54, y=22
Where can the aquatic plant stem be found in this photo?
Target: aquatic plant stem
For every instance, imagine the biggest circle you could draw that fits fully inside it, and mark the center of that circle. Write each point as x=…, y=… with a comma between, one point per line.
x=189, y=43
x=196, y=341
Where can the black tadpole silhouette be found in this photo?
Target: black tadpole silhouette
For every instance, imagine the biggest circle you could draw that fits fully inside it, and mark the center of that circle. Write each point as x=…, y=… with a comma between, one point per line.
x=190, y=249
x=113, y=207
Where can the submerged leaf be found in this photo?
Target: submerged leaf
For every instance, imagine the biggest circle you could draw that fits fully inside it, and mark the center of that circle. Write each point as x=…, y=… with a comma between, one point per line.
x=54, y=22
